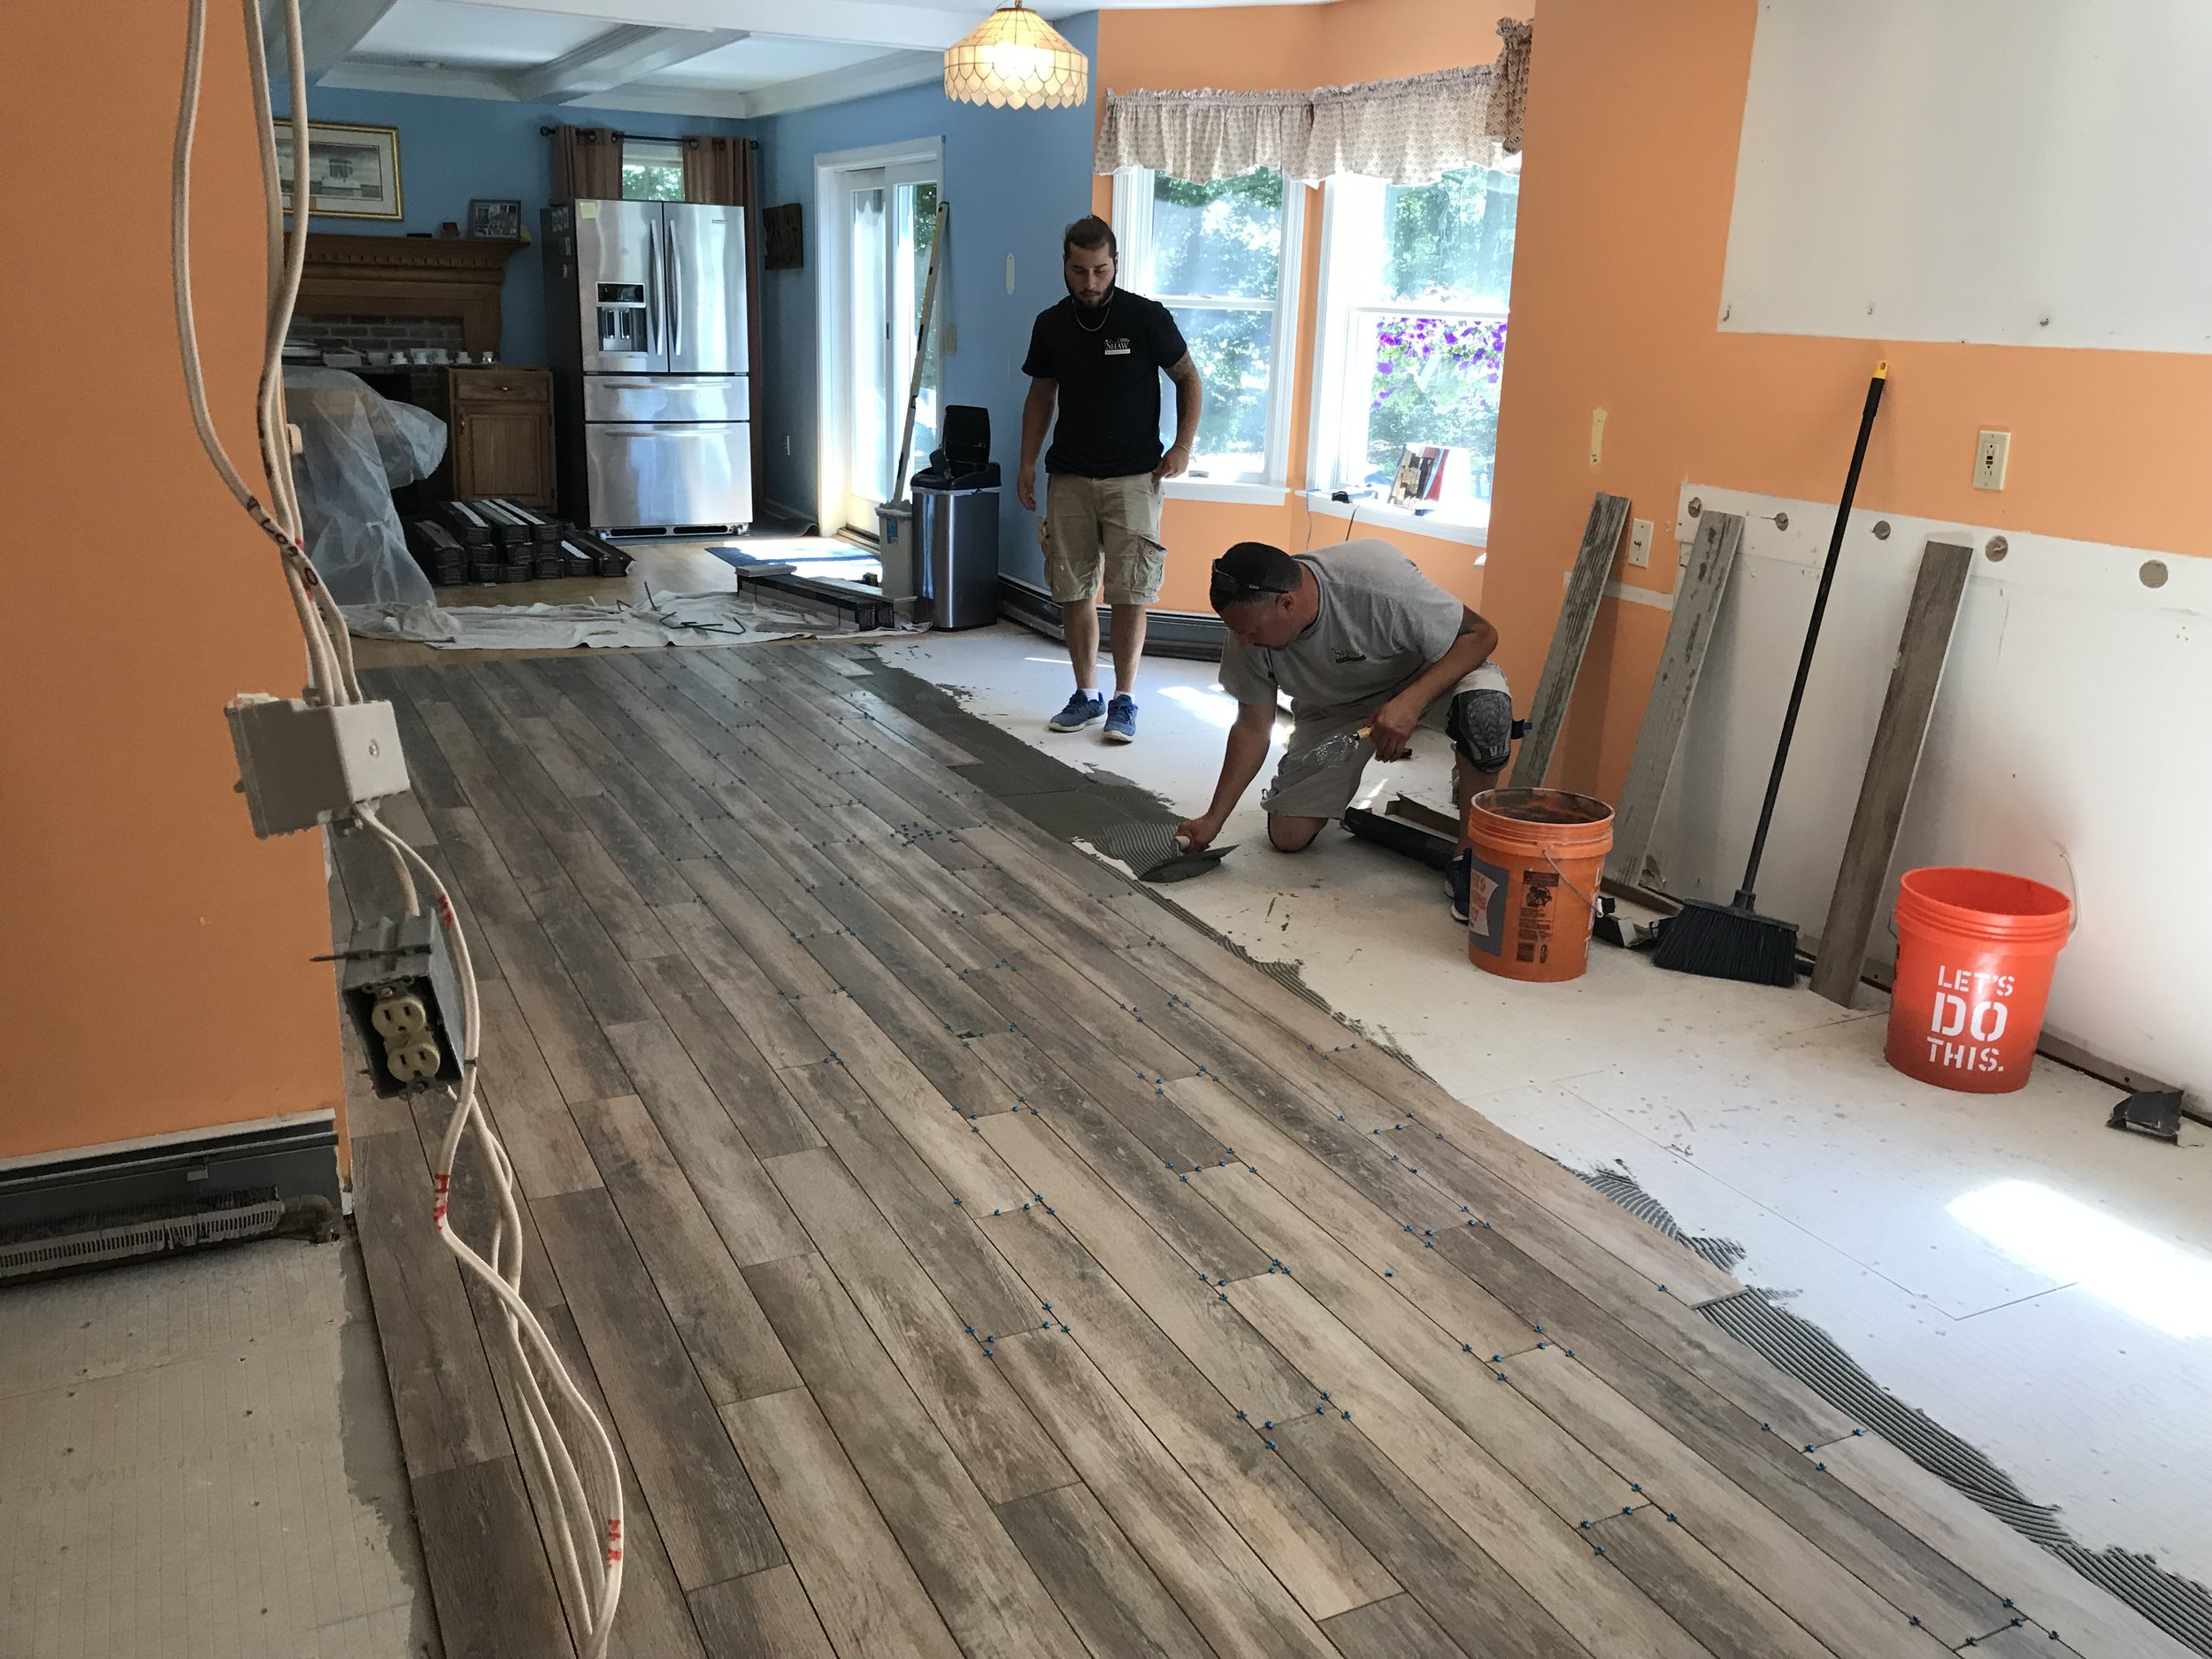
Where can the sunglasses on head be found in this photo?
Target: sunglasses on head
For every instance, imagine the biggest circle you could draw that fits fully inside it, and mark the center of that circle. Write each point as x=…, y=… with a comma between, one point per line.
x=1228, y=587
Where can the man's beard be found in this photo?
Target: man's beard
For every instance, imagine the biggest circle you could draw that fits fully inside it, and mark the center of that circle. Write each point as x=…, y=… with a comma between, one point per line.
x=1091, y=308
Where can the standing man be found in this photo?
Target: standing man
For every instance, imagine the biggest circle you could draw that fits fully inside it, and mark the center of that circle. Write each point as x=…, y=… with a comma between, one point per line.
x=1362, y=642
x=1106, y=348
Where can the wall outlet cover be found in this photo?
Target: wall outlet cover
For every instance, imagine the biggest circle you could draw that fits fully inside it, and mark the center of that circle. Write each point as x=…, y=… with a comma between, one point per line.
x=1991, y=450
x=1639, y=543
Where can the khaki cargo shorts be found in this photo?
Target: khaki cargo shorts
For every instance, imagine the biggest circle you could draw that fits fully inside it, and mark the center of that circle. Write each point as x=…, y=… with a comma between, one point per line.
x=1476, y=716
x=1103, y=527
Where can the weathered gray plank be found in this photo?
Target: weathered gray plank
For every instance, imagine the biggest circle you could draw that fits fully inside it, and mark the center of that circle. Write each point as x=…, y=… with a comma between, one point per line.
x=998, y=1442
x=1697, y=598
x=862, y=1589
x=730, y=1343
x=1586, y=587
x=1117, y=1604
x=1898, y=735
x=764, y=1615
x=1714, y=1604
x=489, y=1580
x=980, y=1585
x=743, y=1203
x=709, y=1515
x=1394, y=1629
x=1442, y=1568
x=746, y=1084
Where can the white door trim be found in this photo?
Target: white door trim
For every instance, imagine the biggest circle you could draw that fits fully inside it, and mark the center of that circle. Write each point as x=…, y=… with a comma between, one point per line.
x=830, y=270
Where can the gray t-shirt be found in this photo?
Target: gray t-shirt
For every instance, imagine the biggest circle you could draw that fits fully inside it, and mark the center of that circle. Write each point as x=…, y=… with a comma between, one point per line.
x=1381, y=625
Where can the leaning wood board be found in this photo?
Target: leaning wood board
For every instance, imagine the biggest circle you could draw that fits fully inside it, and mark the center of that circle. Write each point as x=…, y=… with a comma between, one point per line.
x=1906, y=709
x=771, y=1046
x=1578, y=613
x=1697, y=598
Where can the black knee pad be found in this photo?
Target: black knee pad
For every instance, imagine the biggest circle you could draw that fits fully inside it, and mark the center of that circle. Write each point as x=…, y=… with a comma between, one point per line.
x=1481, y=726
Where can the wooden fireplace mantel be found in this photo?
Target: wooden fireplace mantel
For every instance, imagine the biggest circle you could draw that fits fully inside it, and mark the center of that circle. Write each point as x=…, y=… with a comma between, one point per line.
x=409, y=276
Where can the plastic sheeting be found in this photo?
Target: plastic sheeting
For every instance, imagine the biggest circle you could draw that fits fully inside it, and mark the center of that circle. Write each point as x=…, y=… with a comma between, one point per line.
x=355, y=449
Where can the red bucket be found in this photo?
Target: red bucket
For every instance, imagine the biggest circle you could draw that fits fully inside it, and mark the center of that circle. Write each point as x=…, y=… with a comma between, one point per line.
x=1975, y=949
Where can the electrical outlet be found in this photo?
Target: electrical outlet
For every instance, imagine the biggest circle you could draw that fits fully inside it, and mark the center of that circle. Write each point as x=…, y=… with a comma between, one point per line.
x=1990, y=455
x=1639, y=544
x=787, y=443
x=1009, y=273
x=1597, y=435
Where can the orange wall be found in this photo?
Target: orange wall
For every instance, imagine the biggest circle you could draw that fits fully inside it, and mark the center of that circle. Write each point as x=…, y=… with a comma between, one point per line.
x=1254, y=49
x=1634, y=114
x=156, y=973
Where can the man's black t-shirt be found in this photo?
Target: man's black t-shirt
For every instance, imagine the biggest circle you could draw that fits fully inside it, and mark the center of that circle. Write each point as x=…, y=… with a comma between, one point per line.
x=1109, y=371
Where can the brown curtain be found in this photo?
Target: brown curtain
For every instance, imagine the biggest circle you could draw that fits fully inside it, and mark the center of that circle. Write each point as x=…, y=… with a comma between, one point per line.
x=723, y=171
x=588, y=164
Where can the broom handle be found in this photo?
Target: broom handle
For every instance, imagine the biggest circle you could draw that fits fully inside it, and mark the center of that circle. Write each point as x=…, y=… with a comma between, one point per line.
x=1744, y=895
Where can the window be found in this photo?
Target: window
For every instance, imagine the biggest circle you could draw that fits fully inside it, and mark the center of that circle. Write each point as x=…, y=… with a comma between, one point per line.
x=1223, y=258
x=652, y=169
x=1415, y=282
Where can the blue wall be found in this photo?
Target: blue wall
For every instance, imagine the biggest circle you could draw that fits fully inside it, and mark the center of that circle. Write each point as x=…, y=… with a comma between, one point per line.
x=1013, y=178
x=454, y=149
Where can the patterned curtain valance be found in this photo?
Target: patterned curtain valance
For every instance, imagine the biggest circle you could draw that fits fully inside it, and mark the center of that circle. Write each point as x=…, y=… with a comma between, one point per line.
x=1410, y=131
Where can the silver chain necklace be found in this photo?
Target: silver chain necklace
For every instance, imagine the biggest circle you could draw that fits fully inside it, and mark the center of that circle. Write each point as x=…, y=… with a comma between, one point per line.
x=1104, y=314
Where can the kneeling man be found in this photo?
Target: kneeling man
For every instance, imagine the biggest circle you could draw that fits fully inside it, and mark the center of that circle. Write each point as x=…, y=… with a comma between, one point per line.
x=1358, y=638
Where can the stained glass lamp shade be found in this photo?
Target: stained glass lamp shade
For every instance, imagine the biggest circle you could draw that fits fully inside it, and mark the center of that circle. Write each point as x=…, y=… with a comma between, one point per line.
x=1016, y=59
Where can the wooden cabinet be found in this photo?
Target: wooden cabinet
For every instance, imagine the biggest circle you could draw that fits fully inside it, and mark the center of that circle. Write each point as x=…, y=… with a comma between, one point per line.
x=500, y=441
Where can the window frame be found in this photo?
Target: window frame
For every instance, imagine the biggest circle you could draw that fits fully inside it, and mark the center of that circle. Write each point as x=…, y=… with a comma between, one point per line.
x=674, y=157
x=1337, y=319
x=1132, y=210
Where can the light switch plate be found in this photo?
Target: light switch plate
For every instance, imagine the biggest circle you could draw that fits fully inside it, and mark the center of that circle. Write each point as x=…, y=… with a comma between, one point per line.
x=1639, y=544
x=1597, y=435
x=1990, y=453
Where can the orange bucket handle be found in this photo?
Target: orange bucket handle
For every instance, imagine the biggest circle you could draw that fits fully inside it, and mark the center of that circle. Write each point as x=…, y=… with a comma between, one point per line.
x=2073, y=896
x=1569, y=879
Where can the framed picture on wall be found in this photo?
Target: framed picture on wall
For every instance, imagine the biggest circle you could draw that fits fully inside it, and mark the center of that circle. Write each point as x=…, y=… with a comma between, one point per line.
x=784, y=234
x=352, y=172
x=500, y=220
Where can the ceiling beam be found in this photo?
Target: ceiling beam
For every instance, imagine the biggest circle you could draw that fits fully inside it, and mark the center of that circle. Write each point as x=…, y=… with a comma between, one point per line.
x=885, y=23
x=887, y=73
x=329, y=31
x=622, y=55
x=493, y=87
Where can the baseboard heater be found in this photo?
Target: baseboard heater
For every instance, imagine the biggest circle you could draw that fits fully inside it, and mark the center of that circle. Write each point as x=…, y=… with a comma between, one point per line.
x=144, y=1199
x=1196, y=634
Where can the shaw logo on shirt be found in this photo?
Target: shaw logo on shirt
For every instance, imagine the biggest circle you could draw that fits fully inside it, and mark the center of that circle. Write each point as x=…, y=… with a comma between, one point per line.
x=1117, y=348
x=1348, y=653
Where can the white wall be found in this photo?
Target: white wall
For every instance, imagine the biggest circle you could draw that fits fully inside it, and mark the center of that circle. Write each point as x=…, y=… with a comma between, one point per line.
x=2068, y=744
x=2000, y=172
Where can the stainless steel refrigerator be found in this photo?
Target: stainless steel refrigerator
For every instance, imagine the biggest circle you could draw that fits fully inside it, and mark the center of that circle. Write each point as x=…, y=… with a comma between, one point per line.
x=645, y=309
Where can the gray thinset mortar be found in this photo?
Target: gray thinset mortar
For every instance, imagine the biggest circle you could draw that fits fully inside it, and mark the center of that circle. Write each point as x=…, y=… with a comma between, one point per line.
x=2179, y=1606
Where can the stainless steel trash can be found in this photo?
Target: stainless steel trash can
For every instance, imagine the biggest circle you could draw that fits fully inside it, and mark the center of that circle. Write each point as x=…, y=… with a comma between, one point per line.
x=956, y=548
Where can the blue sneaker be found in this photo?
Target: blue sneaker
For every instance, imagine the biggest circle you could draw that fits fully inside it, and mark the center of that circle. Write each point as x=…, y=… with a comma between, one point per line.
x=1121, y=720
x=1083, y=708
x=1457, y=880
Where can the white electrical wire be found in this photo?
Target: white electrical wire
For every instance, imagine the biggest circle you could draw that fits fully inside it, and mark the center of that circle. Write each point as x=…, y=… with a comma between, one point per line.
x=587, y=1530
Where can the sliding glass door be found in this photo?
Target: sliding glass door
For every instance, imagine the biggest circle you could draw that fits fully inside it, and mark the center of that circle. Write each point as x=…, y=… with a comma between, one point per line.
x=886, y=217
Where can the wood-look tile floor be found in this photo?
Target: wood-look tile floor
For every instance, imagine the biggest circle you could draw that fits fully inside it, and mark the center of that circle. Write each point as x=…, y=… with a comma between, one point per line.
x=973, y=1259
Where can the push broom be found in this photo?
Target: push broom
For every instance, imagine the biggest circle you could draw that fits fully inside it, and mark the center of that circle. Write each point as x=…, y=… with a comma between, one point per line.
x=1733, y=941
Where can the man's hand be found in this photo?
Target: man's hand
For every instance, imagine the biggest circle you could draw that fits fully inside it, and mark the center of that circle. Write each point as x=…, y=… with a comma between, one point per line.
x=1025, y=488
x=1198, y=833
x=1174, y=464
x=1392, y=728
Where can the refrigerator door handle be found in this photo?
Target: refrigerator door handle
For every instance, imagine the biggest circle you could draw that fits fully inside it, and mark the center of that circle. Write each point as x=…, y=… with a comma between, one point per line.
x=675, y=291
x=652, y=294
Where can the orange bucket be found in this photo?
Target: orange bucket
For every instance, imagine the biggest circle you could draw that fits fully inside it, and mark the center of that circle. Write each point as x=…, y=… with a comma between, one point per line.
x=1975, y=953
x=1538, y=853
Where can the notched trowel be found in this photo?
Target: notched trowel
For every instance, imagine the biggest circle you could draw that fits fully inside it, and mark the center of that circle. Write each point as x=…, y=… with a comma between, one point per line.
x=1183, y=863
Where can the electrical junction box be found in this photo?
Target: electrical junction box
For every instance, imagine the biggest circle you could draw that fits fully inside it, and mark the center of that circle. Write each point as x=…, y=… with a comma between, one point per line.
x=404, y=993
x=303, y=764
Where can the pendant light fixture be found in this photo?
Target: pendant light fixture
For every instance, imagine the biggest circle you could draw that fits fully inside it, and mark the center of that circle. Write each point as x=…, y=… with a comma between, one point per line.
x=1014, y=59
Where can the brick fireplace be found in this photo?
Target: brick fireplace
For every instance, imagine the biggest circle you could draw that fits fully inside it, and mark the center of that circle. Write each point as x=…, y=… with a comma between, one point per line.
x=377, y=293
